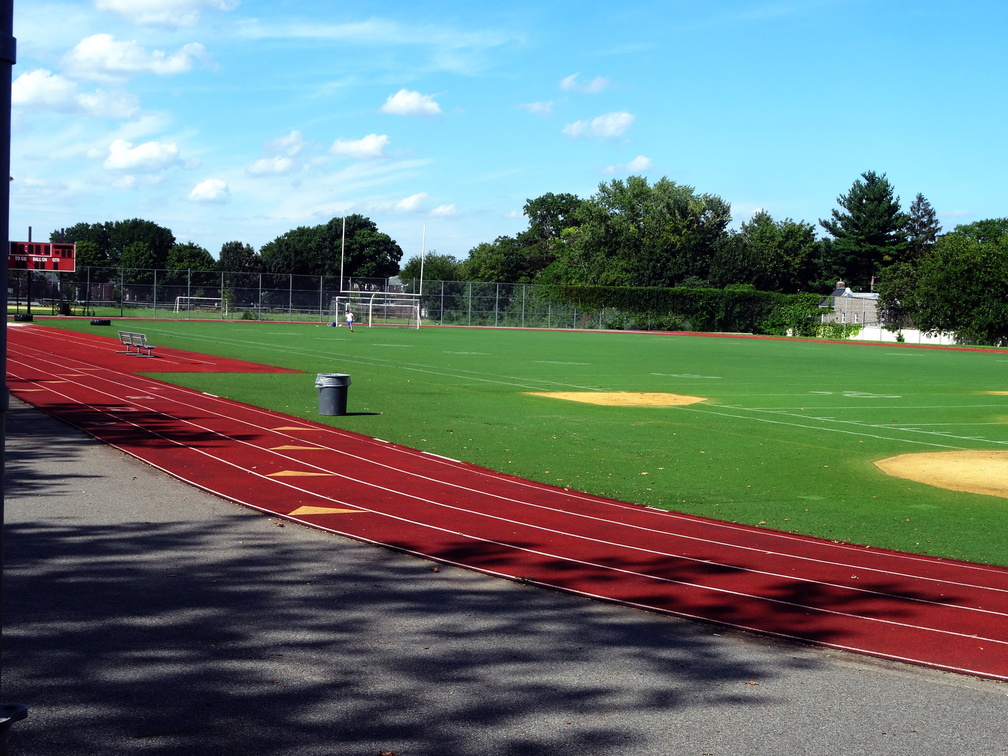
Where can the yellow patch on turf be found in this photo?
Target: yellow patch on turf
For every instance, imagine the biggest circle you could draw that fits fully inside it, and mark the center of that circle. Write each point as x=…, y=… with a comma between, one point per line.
x=303, y=511
x=981, y=472
x=298, y=474
x=622, y=398
x=295, y=448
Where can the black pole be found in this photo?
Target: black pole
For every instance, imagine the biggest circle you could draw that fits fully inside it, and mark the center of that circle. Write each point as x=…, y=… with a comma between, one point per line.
x=28, y=272
x=9, y=712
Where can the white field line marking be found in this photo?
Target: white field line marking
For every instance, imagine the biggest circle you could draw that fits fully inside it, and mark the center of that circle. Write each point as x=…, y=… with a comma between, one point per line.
x=709, y=410
x=911, y=428
x=523, y=382
x=541, y=553
x=650, y=552
x=531, y=384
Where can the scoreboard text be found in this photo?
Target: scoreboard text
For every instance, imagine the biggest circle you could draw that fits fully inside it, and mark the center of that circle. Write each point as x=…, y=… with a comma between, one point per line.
x=42, y=256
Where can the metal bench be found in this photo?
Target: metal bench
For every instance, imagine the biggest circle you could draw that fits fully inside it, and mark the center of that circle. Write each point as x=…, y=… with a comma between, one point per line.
x=126, y=339
x=137, y=341
x=140, y=342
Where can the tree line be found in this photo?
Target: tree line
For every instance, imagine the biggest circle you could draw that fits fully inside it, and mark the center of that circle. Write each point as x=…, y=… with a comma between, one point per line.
x=632, y=233
x=351, y=245
x=666, y=235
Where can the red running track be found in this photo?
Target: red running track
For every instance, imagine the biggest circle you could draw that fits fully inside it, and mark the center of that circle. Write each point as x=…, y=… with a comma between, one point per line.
x=935, y=612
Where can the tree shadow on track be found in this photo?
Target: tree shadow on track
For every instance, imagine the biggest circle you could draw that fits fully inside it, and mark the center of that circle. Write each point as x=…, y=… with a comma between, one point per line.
x=838, y=609
x=140, y=621
x=124, y=425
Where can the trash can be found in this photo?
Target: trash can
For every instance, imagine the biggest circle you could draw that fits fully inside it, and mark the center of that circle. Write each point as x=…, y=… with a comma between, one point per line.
x=332, y=393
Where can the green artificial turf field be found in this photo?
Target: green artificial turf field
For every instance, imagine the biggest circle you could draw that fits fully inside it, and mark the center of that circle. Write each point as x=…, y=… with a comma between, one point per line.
x=787, y=437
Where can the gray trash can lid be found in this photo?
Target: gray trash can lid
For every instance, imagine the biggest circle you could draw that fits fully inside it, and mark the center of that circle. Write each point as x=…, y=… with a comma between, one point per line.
x=332, y=380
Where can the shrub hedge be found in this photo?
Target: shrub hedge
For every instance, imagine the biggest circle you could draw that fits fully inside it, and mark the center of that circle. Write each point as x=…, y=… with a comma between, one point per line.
x=730, y=310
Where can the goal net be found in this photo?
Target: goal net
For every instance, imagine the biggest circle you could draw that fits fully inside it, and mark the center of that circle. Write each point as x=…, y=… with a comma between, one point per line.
x=201, y=304
x=385, y=308
x=376, y=308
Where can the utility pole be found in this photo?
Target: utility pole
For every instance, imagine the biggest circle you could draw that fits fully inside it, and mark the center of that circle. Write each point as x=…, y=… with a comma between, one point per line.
x=9, y=712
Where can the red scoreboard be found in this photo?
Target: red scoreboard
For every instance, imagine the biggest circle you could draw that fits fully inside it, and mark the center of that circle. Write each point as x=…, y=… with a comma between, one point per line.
x=42, y=256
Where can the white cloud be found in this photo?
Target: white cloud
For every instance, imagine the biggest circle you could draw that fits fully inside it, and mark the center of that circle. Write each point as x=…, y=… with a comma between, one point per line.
x=211, y=190
x=42, y=89
x=149, y=156
x=271, y=166
x=411, y=204
x=538, y=108
x=104, y=103
x=379, y=32
x=408, y=103
x=103, y=58
x=291, y=144
x=444, y=211
x=280, y=159
x=640, y=164
x=165, y=12
x=367, y=148
x=596, y=85
x=608, y=126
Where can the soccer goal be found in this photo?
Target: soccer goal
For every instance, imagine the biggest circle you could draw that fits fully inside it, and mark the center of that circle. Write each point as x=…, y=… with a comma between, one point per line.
x=200, y=304
x=386, y=308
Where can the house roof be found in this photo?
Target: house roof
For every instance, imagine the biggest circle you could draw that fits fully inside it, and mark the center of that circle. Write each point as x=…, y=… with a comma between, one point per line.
x=845, y=292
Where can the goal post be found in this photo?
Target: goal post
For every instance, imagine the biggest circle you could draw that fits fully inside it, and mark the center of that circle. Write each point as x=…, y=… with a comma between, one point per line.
x=379, y=308
x=201, y=304
x=394, y=309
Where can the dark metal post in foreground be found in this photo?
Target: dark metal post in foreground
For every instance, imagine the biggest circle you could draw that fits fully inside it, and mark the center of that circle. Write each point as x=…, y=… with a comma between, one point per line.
x=9, y=712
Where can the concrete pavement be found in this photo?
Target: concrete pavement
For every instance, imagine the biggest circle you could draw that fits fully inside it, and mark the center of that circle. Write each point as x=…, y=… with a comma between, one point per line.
x=143, y=616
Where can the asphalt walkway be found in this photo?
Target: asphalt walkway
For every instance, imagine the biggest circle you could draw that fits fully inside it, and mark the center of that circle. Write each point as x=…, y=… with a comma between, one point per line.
x=143, y=616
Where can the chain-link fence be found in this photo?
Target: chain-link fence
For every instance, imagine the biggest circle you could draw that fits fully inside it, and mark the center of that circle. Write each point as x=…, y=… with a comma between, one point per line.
x=284, y=297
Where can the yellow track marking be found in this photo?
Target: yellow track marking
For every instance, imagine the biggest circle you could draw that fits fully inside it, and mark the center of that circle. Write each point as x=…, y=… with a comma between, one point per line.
x=301, y=511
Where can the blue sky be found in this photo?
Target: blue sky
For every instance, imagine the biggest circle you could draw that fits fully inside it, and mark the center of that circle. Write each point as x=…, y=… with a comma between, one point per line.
x=242, y=119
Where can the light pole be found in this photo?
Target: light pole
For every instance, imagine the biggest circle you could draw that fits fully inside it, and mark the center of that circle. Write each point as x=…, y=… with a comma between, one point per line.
x=9, y=712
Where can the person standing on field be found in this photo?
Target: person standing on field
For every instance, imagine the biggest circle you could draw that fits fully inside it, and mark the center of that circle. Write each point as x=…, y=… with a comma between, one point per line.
x=349, y=320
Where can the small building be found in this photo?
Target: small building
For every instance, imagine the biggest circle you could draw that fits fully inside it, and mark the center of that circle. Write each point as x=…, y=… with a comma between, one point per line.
x=846, y=306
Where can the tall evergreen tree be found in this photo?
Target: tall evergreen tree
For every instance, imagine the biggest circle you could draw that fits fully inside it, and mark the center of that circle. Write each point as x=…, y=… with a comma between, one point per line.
x=922, y=228
x=869, y=231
